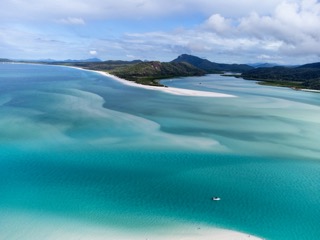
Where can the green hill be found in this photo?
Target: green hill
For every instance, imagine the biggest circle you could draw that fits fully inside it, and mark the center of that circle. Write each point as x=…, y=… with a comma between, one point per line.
x=5, y=60
x=311, y=65
x=149, y=73
x=305, y=76
x=99, y=66
x=212, y=67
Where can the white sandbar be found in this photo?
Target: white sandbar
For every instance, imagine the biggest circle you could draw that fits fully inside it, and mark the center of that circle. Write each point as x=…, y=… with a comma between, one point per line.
x=171, y=90
x=24, y=225
x=310, y=90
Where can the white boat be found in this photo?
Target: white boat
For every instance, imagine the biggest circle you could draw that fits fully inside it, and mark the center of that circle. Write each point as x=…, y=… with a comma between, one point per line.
x=216, y=199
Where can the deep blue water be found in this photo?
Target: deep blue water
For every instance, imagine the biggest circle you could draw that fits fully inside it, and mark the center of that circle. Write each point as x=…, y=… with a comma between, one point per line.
x=78, y=145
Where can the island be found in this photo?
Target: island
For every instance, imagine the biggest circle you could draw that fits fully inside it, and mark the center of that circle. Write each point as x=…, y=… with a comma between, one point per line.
x=304, y=77
x=150, y=72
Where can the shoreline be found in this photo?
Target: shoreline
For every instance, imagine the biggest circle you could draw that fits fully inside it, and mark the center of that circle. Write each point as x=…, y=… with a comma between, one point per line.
x=56, y=227
x=170, y=90
x=177, y=91
x=310, y=90
x=185, y=232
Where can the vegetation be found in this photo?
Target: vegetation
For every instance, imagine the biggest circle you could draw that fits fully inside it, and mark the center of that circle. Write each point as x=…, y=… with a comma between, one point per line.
x=149, y=73
x=212, y=67
x=312, y=84
x=311, y=65
x=5, y=60
x=295, y=85
x=305, y=76
x=99, y=66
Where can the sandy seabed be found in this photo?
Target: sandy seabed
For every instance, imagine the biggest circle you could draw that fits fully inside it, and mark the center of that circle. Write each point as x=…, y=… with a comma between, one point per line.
x=187, y=232
x=35, y=226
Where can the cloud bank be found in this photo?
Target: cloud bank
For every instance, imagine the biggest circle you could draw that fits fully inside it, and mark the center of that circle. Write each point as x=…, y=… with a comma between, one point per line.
x=130, y=9
x=285, y=31
x=71, y=21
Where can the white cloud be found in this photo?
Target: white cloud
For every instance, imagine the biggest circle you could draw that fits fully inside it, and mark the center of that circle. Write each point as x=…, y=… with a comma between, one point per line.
x=71, y=21
x=129, y=9
x=234, y=31
x=293, y=27
x=264, y=57
x=21, y=43
x=93, y=52
x=218, y=23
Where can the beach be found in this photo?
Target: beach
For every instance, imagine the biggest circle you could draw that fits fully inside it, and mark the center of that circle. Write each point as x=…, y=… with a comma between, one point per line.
x=310, y=90
x=170, y=90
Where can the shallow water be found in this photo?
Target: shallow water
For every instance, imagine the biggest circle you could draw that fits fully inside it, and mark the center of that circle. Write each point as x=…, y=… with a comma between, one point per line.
x=79, y=146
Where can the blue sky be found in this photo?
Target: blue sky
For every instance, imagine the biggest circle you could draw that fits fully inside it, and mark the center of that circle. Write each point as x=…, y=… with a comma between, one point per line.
x=231, y=31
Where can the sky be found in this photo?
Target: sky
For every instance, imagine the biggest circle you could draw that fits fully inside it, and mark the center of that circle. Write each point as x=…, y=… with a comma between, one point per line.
x=226, y=31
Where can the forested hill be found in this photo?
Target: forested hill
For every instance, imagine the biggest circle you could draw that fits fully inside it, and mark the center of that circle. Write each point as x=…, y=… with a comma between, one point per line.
x=305, y=76
x=5, y=60
x=212, y=67
x=100, y=66
x=149, y=72
x=311, y=65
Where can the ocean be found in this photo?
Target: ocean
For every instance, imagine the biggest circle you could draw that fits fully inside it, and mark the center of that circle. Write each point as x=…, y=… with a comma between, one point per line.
x=79, y=147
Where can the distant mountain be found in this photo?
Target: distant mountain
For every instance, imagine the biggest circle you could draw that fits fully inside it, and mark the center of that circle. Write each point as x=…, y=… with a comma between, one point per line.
x=49, y=60
x=5, y=60
x=83, y=60
x=212, y=67
x=311, y=65
x=121, y=62
x=203, y=64
x=264, y=65
x=149, y=72
x=100, y=66
x=270, y=65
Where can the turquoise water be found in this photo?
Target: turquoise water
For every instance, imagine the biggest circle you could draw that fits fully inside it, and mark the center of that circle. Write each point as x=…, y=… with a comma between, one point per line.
x=77, y=145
